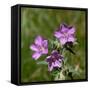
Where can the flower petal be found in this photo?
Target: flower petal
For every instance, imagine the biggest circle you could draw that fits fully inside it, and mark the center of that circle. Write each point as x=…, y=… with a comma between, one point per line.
x=45, y=43
x=63, y=40
x=71, y=38
x=71, y=31
x=36, y=55
x=45, y=51
x=58, y=34
x=38, y=40
x=34, y=47
x=64, y=28
x=57, y=64
x=48, y=59
x=54, y=52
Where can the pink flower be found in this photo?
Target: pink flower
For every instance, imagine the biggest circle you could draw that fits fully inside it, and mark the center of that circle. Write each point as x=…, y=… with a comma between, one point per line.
x=39, y=47
x=54, y=60
x=65, y=34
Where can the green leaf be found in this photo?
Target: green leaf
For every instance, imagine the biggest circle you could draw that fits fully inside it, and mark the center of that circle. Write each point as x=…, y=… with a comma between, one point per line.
x=42, y=62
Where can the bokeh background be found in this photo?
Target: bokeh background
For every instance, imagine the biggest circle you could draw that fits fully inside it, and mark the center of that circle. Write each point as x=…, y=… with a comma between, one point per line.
x=36, y=21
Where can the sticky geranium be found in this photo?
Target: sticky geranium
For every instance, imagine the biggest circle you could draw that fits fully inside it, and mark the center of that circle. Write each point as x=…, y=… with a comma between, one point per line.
x=65, y=34
x=54, y=60
x=39, y=47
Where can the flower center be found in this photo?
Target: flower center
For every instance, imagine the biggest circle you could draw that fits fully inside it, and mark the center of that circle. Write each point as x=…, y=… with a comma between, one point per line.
x=41, y=48
x=53, y=58
x=65, y=34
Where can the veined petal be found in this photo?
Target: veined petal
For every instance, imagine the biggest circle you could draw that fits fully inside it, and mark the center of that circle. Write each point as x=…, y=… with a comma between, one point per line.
x=36, y=55
x=45, y=51
x=34, y=47
x=45, y=43
x=71, y=38
x=38, y=40
x=57, y=64
x=58, y=34
x=71, y=31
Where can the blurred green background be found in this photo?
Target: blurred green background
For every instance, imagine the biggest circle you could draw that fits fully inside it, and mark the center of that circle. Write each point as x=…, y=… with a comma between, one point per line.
x=36, y=21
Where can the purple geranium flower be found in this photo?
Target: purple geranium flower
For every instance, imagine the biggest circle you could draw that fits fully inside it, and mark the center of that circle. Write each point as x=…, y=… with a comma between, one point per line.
x=65, y=34
x=54, y=60
x=39, y=47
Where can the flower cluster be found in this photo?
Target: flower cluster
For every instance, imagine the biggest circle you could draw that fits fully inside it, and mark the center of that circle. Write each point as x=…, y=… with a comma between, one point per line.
x=64, y=35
